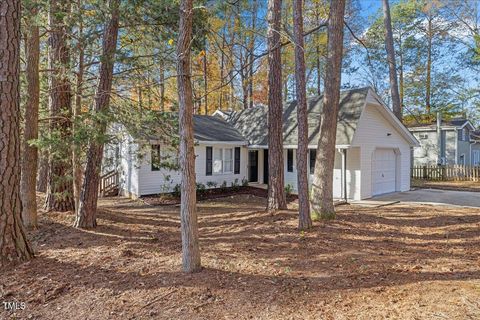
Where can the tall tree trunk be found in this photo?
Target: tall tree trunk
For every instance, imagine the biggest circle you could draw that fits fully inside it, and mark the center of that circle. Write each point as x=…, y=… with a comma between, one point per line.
x=304, y=220
x=76, y=150
x=322, y=188
x=60, y=187
x=222, y=72
x=87, y=211
x=14, y=245
x=276, y=191
x=428, y=82
x=188, y=207
x=29, y=161
x=243, y=60
x=162, y=85
x=319, y=72
x=401, y=85
x=251, y=54
x=205, y=79
x=317, y=60
x=42, y=176
x=397, y=106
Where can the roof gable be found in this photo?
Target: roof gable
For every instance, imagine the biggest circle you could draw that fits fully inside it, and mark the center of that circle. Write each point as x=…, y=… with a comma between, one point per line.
x=252, y=123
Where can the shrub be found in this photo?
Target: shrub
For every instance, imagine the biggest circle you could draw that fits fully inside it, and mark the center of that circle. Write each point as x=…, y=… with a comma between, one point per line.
x=223, y=186
x=211, y=184
x=176, y=190
x=201, y=188
x=235, y=185
x=288, y=189
x=245, y=182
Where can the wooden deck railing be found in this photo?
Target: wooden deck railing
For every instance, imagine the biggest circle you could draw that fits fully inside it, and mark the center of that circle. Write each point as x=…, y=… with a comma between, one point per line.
x=108, y=183
x=444, y=173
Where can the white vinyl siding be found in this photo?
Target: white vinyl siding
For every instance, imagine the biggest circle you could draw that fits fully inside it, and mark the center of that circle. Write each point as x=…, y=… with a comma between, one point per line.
x=353, y=174
x=164, y=180
x=373, y=132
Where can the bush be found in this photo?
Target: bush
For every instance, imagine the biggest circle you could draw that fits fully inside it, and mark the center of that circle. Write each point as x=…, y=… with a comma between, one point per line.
x=223, y=186
x=176, y=190
x=201, y=188
x=211, y=184
x=288, y=189
x=245, y=182
x=235, y=185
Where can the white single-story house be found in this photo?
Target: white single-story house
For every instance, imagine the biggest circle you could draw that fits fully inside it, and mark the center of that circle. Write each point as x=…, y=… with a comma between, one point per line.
x=373, y=150
x=220, y=158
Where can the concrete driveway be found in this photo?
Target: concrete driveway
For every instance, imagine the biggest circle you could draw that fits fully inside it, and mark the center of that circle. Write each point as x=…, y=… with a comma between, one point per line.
x=431, y=196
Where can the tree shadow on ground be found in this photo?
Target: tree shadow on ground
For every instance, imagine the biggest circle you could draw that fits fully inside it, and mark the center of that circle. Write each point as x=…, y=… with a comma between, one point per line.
x=247, y=250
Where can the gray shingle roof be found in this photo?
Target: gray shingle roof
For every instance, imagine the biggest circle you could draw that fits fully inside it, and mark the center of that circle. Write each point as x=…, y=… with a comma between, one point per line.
x=252, y=123
x=209, y=128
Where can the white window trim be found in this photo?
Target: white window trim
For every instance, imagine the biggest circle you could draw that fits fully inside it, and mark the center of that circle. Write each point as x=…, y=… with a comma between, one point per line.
x=222, y=152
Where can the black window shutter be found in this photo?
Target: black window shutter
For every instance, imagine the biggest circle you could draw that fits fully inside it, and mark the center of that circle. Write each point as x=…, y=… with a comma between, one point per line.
x=236, y=169
x=155, y=157
x=313, y=156
x=208, y=170
x=290, y=160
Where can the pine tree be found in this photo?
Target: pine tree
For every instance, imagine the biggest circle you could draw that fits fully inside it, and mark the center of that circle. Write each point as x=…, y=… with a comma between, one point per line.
x=14, y=245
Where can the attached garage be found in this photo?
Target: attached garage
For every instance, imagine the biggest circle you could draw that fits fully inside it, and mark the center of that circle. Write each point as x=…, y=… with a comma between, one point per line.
x=372, y=147
x=384, y=171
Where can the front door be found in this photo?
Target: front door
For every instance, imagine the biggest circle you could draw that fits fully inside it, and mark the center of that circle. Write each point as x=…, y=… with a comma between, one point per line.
x=265, y=166
x=253, y=166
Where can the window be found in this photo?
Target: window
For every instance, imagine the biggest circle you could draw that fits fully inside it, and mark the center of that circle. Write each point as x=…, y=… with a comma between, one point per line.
x=462, y=160
x=476, y=157
x=423, y=136
x=217, y=160
x=313, y=156
x=465, y=135
x=227, y=160
x=460, y=134
x=222, y=160
x=155, y=157
x=236, y=170
x=290, y=160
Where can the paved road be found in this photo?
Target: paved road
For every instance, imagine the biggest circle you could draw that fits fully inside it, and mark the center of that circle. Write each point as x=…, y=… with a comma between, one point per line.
x=433, y=196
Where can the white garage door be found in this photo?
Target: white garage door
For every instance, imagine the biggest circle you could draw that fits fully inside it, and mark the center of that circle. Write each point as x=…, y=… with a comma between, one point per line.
x=383, y=171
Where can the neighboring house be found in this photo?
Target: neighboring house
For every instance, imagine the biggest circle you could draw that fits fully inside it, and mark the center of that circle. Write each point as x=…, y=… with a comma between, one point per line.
x=475, y=145
x=447, y=143
x=373, y=149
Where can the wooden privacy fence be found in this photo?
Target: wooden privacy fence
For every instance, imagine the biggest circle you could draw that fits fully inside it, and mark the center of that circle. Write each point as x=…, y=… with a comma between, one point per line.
x=444, y=173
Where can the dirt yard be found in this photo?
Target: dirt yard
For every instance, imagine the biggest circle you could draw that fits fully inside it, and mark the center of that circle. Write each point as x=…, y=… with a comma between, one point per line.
x=473, y=186
x=395, y=262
